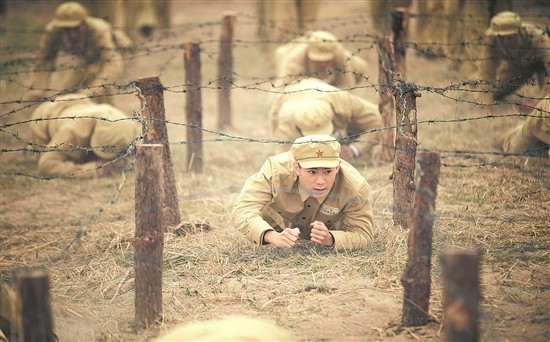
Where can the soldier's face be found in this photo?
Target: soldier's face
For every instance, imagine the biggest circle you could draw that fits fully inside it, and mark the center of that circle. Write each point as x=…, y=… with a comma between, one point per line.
x=323, y=70
x=72, y=34
x=316, y=181
x=507, y=41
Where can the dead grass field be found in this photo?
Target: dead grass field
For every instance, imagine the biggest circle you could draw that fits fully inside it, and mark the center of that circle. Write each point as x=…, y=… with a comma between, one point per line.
x=81, y=231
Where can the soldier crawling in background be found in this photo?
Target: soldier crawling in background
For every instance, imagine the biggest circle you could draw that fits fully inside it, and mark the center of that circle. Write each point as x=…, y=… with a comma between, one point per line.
x=95, y=62
x=514, y=52
x=318, y=54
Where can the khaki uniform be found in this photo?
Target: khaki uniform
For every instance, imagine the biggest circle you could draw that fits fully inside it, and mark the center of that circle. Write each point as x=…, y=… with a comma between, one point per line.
x=78, y=141
x=137, y=18
x=429, y=33
x=512, y=67
x=351, y=114
x=272, y=199
x=278, y=20
x=533, y=135
x=467, y=21
x=94, y=61
x=8, y=316
x=380, y=11
x=292, y=64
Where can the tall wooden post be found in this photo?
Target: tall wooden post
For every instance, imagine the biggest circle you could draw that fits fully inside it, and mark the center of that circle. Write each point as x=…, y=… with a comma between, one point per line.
x=154, y=125
x=225, y=70
x=461, y=294
x=193, y=106
x=416, y=279
x=33, y=307
x=149, y=237
x=386, y=105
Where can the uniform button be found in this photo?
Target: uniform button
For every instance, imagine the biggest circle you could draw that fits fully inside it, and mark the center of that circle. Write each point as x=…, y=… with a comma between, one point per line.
x=303, y=218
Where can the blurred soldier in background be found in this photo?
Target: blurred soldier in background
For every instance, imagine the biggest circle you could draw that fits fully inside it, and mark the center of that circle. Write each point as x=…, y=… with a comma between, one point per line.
x=309, y=193
x=380, y=13
x=89, y=42
x=8, y=316
x=532, y=136
x=80, y=136
x=232, y=329
x=139, y=19
x=319, y=54
x=430, y=24
x=279, y=20
x=467, y=22
x=314, y=107
x=513, y=54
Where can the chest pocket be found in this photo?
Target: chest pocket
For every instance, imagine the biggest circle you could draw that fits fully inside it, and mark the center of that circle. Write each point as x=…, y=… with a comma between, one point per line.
x=329, y=215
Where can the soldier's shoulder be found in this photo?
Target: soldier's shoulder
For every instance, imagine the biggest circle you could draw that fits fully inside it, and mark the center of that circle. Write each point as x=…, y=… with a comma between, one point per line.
x=98, y=24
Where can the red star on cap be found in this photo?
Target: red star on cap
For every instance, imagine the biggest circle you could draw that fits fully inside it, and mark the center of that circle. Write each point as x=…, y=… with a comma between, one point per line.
x=319, y=153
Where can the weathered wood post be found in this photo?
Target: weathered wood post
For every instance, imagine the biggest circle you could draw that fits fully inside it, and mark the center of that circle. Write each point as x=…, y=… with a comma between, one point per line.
x=154, y=125
x=33, y=307
x=386, y=104
x=192, y=63
x=225, y=70
x=461, y=294
x=405, y=152
x=149, y=236
x=416, y=279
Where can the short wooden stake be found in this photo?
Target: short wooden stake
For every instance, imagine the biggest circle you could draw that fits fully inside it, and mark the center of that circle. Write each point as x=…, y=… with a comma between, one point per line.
x=461, y=294
x=33, y=307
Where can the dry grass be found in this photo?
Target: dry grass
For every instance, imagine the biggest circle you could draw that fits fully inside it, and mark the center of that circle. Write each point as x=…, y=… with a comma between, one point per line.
x=485, y=202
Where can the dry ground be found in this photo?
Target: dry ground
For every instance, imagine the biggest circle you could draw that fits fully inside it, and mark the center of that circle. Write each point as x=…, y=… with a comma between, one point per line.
x=81, y=231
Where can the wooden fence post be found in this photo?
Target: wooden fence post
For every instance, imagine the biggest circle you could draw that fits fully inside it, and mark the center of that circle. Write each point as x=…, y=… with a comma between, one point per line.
x=461, y=294
x=416, y=279
x=225, y=70
x=154, y=125
x=386, y=105
x=192, y=63
x=405, y=153
x=149, y=236
x=33, y=307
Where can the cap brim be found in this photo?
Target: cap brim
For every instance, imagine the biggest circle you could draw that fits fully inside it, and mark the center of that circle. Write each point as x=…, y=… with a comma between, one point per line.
x=317, y=57
x=59, y=23
x=319, y=162
x=501, y=33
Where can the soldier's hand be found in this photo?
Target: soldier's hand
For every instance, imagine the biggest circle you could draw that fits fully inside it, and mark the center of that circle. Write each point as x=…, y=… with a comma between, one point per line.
x=346, y=152
x=321, y=235
x=287, y=238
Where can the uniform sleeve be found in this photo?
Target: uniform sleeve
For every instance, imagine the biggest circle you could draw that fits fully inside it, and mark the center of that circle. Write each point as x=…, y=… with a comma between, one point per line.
x=47, y=52
x=541, y=50
x=61, y=160
x=356, y=116
x=356, y=232
x=255, y=195
x=488, y=63
x=111, y=60
x=292, y=65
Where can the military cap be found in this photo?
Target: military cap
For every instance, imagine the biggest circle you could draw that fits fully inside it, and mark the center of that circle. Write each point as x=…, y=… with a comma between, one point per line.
x=314, y=116
x=69, y=14
x=313, y=151
x=505, y=23
x=321, y=46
